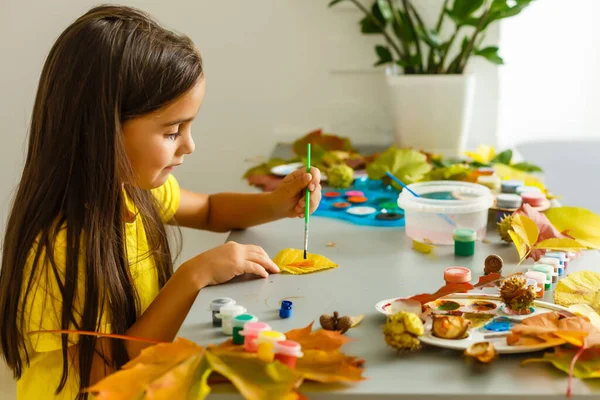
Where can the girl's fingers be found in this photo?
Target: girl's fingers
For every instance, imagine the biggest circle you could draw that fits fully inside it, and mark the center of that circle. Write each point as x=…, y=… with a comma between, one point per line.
x=256, y=269
x=263, y=260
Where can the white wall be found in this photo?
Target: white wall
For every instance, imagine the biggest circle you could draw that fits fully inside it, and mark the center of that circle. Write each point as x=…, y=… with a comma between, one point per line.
x=550, y=86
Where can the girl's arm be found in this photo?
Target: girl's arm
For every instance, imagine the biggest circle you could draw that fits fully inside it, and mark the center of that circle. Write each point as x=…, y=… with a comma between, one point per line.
x=223, y=212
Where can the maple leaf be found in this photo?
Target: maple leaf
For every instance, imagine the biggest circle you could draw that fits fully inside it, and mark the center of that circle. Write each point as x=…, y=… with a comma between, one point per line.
x=451, y=288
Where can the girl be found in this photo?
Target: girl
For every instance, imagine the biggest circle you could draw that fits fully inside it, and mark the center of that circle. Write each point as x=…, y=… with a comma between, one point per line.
x=85, y=246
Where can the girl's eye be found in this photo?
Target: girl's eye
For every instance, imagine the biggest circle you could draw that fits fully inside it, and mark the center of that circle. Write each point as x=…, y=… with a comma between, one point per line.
x=173, y=136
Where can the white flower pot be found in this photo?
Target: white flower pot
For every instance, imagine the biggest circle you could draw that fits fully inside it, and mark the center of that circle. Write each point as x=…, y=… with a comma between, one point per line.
x=432, y=112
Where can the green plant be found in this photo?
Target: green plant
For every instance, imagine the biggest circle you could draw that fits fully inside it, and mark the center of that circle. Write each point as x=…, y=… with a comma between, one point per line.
x=418, y=49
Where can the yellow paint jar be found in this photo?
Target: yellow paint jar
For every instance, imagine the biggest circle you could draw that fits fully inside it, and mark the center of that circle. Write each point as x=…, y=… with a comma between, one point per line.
x=266, y=341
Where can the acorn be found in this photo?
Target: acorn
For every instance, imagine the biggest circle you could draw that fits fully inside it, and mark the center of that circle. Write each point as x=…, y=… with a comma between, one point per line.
x=335, y=323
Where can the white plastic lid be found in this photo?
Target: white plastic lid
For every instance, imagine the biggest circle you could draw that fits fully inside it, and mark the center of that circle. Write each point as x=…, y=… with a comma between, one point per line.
x=288, y=348
x=555, y=262
x=539, y=277
x=470, y=197
x=216, y=304
x=231, y=310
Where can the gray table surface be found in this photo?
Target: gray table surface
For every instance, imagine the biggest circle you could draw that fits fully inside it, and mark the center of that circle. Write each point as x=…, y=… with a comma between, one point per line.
x=377, y=264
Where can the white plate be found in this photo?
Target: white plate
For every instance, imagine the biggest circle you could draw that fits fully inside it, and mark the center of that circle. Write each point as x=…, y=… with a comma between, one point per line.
x=478, y=334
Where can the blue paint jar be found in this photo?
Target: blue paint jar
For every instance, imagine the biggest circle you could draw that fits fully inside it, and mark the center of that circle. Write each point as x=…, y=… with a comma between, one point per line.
x=510, y=186
x=286, y=309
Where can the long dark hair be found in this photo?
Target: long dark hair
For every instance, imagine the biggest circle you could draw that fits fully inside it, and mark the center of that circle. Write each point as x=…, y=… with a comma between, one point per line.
x=112, y=64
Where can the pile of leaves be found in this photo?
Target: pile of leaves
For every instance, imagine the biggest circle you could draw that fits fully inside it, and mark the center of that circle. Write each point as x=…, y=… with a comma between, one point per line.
x=183, y=369
x=407, y=164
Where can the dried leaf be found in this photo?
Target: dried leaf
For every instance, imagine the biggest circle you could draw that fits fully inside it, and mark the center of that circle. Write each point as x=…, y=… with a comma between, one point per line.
x=588, y=365
x=405, y=164
x=519, y=243
x=579, y=223
x=581, y=287
x=548, y=328
x=451, y=288
x=483, y=155
x=585, y=310
x=317, y=340
x=357, y=320
x=320, y=142
x=422, y=247
x=331, y=244
x=329, y=366
x=545, y=227
x=292, y=261
x=526, y=229
x=506, y=172
x=563, y=244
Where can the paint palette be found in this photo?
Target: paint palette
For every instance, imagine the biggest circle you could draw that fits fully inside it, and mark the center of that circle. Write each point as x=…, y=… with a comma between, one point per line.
x=367, y=202
x=489, y=320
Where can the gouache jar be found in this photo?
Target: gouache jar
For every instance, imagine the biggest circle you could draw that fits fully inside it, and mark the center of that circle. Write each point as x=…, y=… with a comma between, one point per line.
x=238, y=324
x=491, y=182
x=511, y=186
x=534, y=199
x=457, y=275
x=287, y=352
x=227, y=313
x=528, y=189
x=464, y=242
x=540, y=278
x=548, y=270
x=507, y=201
x=559, y=255
x=552, y=261
x=216, y=305
x=250, y=333
x=266, y=341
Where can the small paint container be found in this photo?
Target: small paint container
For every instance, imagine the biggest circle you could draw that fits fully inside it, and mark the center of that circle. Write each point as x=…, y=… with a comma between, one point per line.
x=491, y=182
x=227, y=313
x=457, y=275
x=534, y=199
x=545, y=268
x=528, y=189
x=551, y=261
x=331, y=195
x=510, y=186
x=216, y=305
x=540, y=278
x=285, y=311
x=508, y=200
x=354, y=193
x=561, y=256
x=361, y=211
x=341, y=205
x=238, y=325
x=287, y=352
x=555, y=277
x=250, y=333
x=485, y=171
x=266, y=341
x=357, y=199
x=464, y=242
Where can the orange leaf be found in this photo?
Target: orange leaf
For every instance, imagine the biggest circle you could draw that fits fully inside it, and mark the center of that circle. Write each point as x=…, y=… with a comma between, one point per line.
x=443, y=291
x=317, y=340
x=329, y=366
x=166, y=353
x=548, y=328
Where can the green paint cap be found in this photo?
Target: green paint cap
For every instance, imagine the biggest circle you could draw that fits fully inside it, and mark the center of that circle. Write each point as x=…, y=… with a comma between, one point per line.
x=465, y=235
x=242, y=319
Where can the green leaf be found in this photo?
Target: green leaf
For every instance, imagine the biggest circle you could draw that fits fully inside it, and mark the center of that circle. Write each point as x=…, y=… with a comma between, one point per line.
x=367, y=26
x=503, y=158
x=501, y=9
x=405, y=164
x=378, y=14
x=384, y=54
x=464, y=8
x=462, y=21
x=334, y=2
x=490, y=54
x=430, y=37
x=384, y=9
x=402, y=29
x=526, y=167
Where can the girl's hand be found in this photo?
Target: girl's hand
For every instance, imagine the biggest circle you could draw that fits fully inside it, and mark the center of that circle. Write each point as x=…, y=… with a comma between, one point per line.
x=227, y=261
x=290, y=194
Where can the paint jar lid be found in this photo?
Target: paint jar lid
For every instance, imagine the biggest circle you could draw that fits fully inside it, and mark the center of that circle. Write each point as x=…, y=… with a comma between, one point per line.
x=242, y=319
x=545, y=268
x=354, y=193
x=532, y=196
x=538, y=276
x=508, y=200
x=465, y=235
x=286, y=305
x=254, y=328
x=533, y=282
x=219, y=302
x=288, y=348
x=457, y=275
x=486, y=171
x=488, y=180
x=510, y=186
x=549, y=261
x=270, y=337
x=231, y=310
x=557, y=254
x=361, y=211
x=528, y=189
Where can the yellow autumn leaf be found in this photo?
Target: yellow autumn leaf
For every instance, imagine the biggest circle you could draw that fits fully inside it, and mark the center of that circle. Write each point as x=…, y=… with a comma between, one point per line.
x=484, y=154
x=292, y=261
x=519, y=243
x=524, y=226
x=506, y=172
x=581, y=287
x=564, y=244
x=423, y=247
x=579, y=223
x=585, y=310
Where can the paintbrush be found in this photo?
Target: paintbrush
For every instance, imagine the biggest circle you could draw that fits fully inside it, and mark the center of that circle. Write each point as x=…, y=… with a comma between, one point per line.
x=307, y=207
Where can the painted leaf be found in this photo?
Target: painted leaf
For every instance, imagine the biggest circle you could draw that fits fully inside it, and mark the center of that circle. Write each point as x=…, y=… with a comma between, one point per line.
x=581, y=287
x=451, y=288
x=587, y=365
x=579, y=223
x=545, y=227
x=564, y=244
x=405, y=164
x=484, y=154
x=526, y=229
x=519, y=243
x=319, y=140
x=549, y=328
x=292, y=261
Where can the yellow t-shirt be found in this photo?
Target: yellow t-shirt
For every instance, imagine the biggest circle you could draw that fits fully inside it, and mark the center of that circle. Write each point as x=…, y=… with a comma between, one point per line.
x=43, y=308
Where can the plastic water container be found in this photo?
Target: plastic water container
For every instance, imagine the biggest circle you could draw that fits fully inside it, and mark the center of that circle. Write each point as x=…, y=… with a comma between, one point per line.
x=442, y=207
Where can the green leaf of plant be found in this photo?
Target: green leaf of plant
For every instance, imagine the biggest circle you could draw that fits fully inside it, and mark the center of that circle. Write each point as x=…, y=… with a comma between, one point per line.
x=490, y=54
x=503, y=158
x=501, y=9
x=464, y=8
x=383, y=8
x=430, y=37
x=334, y=2
x=384, y=54
x=526, y=167
x=402, y=29
x=405, y=164
x=367, y=26
x=460, y=21
x=378, y=13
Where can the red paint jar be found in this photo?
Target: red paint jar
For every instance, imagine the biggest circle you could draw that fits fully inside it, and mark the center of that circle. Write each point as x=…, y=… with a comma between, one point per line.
x=287, y=352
